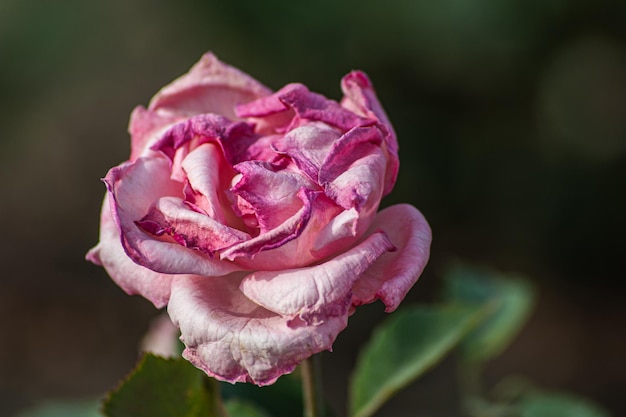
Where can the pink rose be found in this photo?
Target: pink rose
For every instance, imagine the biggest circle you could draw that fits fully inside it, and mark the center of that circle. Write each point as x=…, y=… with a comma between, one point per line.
x=253, y=216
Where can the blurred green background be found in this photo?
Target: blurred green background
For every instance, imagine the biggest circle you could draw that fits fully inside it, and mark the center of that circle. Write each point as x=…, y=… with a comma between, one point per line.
x=511, y=118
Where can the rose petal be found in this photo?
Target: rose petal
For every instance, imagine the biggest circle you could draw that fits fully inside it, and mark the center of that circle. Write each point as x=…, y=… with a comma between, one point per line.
x=161, y=338
x=298, y=252
x=210, y=86
x=133, y=188
x=205, y=168
x=233, y=339
x=237, y=140
x=360, y=97
x=146, y=128
x=353, y=172
x=339, y=233
x=317, y=293
x=308, y=146
x=234, y=138
x=132, y=278
x=264, y=106
x=315, y=107
x=170, y=215
x=271, y=191
x=276, y=237
x=393, y=274
x=308, y=107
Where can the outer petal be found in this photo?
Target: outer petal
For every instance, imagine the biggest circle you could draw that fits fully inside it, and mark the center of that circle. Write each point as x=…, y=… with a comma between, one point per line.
x=133, y=188
x=132, y=278
x=210, y=86
x=317, y=293
x=235, y=340
x=360, y=97
x=393, y=274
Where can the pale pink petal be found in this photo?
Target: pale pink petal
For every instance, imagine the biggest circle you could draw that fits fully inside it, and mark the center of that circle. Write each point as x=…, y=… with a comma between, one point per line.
x=360, y=97
x=393, y=274
x=319, y=292
x=233, y=339
x=171, y=216
x=146, y=128
x=210, y=86
x=339, y=233
x=133, y=188
x=132, y=278
x=208, y=176
x=161, y=338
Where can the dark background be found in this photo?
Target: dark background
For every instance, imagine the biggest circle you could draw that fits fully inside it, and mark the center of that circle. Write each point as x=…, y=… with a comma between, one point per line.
x=511, y=119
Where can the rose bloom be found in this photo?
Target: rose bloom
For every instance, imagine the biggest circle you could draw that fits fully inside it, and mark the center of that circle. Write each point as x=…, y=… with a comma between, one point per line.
x=252, y=216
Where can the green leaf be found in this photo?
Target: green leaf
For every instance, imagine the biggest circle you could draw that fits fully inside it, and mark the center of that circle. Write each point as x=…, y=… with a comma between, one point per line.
x=558, y=405
x=160, y=387
x=237, y=408
x=511, y=300
x=83, y=408
x=404, y=347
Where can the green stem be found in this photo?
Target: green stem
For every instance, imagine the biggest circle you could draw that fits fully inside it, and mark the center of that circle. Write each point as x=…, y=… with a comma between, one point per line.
x=311, y=387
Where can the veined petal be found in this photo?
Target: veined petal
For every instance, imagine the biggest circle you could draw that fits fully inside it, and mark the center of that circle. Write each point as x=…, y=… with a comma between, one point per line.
x=210, y=86
x=146, y=128
x=234, y=138
x=360, y=97
x=315, y=107
x=298, y=252
x=271, y=191
x=204, y=167
x=340, y=232
x=233, y=339
x=308, y=146
x=319, y=292
x=237, y=140
x=393, y=274
x=307, y=106
x=274, y=238
x=353, y=173
x=132, y=278
x=193, y=230
x=133, y=188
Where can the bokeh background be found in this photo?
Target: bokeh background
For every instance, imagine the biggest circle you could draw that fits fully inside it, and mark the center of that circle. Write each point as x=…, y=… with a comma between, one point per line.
x=511, y=118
